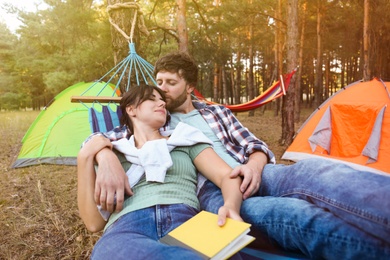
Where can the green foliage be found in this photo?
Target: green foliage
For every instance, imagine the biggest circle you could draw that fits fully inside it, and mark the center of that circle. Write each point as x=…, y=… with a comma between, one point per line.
x=70, y=41
x=10, y=101
x=58, y=80
x=57, y=47
x=9, y=98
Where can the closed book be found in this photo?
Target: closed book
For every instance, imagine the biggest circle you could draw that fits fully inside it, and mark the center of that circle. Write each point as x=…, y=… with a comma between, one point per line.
x=202, y=234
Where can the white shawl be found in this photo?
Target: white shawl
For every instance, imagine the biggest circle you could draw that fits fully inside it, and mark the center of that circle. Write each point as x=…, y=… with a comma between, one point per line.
x=154, y=159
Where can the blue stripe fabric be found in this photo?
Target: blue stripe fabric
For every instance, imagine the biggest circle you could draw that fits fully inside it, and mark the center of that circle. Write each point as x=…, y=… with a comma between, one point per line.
x=104, y=121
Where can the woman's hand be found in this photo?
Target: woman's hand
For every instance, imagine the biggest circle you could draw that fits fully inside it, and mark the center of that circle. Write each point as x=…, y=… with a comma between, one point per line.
x=226, y=212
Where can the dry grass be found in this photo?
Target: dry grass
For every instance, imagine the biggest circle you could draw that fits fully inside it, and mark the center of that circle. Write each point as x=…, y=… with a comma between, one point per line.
x=39, y=217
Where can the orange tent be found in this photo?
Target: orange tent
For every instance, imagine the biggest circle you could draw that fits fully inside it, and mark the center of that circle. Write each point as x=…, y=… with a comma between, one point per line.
x=352, y=126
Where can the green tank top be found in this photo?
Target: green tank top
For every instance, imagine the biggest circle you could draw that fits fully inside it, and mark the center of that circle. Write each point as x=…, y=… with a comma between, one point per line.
x=179, y=185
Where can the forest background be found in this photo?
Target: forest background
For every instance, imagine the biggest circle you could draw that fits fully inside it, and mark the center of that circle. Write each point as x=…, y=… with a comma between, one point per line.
x=241, y=47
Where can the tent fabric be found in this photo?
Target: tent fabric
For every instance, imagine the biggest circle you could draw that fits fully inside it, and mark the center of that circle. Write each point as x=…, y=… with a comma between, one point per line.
x=56, y=135
x=352, y=126
x=277, y=90
x=371, y=150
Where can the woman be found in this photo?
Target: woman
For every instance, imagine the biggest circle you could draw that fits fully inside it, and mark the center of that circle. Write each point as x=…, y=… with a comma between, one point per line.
x=165, y=201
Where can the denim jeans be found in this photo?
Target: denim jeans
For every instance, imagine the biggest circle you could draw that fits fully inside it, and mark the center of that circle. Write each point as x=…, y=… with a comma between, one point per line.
x=136, y=234
x=319, y=208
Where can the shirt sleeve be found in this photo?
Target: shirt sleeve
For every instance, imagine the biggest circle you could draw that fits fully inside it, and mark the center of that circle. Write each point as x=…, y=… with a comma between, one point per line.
x=196, y=149
x=243, y=139
x=115, y=134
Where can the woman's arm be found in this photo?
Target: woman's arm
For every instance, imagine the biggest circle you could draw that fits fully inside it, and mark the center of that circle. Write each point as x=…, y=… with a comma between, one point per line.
x=85, y=192
x=218, y=171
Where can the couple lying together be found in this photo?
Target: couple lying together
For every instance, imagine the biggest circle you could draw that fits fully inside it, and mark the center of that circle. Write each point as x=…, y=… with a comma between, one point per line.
x=147, y=183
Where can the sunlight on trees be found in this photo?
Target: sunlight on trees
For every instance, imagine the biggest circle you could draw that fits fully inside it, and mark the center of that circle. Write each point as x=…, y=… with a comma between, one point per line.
x=70, y=41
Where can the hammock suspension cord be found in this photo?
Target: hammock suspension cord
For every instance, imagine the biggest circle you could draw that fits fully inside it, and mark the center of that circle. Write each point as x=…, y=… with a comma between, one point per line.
x=141, y=22
x=132, y=65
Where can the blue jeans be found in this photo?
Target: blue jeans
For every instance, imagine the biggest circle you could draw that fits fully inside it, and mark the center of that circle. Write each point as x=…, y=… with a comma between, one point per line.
x=319, y=208
x=135, y=235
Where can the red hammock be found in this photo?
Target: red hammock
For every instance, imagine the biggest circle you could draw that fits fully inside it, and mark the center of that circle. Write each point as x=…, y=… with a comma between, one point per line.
x=278, y=89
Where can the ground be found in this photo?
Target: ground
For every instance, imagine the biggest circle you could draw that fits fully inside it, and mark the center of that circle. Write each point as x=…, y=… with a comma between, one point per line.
x=39, y=217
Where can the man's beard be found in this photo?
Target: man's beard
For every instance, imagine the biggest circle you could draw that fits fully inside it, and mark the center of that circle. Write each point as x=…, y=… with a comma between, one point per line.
x=173, y=104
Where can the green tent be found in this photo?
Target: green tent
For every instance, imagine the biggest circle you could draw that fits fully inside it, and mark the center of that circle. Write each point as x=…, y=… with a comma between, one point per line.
x=57, y=133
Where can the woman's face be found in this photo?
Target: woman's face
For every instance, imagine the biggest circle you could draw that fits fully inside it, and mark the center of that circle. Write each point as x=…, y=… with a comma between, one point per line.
x=152, y=111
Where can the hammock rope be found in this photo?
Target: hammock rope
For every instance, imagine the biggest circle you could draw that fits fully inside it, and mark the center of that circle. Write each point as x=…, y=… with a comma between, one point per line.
x=132, y=65
x=137, y=10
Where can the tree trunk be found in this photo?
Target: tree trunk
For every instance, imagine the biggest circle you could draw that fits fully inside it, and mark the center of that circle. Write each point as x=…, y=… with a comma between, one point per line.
x=217, y=69
x=232, y=80
x=292, y=54
x=224, y=86
x=298, y=91
x=216, y=82
x=327, y=75
x=343, y=64
x=251, y=87
x=318, y=81
x=279, y=52
x=251, y=90
x=237, y=97
x=182, y=26
x=366, y=42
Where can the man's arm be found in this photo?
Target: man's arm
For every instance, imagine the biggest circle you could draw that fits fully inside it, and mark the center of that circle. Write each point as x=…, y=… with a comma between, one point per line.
x=238, y=140
x=256, y=156
x=248, y=142
x=111, y=180
x=246, y=148
x=251, y=171
x=85, y=192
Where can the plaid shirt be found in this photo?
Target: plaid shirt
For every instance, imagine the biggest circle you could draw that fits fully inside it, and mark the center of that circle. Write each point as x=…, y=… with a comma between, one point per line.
x=238, y=140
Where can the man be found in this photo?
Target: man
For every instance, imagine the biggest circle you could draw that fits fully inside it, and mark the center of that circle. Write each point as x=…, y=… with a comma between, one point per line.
x=321, y=209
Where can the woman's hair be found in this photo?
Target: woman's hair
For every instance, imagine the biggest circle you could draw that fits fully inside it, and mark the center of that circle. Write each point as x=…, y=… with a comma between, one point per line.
x=136, y=95
x=181, y=63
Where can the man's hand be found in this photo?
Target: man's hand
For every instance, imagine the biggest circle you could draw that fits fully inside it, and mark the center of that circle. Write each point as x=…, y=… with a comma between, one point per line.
x=251, y=173
x=111, y=182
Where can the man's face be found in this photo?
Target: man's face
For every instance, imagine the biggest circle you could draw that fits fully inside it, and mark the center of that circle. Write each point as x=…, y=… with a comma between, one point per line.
x=175, y=87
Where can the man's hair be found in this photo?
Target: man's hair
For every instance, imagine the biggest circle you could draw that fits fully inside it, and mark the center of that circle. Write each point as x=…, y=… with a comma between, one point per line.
x=181, y=63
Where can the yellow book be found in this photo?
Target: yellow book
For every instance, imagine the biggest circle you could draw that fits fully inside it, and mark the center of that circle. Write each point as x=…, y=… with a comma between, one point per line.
x=202, y=234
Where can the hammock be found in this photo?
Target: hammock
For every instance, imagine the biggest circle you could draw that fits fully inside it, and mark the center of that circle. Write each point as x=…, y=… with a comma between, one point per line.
x=132, y=71
x=134, y=66
x=105, y=118
x=278, y=89
x=131, y=67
